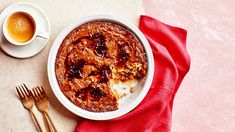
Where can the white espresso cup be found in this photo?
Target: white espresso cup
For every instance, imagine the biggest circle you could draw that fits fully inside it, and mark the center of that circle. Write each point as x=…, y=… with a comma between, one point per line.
x=19, y=27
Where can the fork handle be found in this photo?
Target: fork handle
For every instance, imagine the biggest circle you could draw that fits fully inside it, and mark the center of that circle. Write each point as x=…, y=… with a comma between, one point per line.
x=46, y=122
x=50, y=121
x=35, y=121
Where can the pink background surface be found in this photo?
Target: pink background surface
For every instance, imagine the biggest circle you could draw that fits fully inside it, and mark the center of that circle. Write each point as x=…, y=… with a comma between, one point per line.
x=205, y=101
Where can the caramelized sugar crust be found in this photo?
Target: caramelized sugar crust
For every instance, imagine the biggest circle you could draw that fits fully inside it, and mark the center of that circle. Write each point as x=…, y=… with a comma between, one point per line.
x=93, y=56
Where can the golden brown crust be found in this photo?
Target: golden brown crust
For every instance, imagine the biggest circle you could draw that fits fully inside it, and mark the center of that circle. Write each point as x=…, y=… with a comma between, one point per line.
x=90, y=56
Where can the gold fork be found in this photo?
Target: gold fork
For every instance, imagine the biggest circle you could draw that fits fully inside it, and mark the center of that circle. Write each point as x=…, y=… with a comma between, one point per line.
x=42, y=104
x=27, y=100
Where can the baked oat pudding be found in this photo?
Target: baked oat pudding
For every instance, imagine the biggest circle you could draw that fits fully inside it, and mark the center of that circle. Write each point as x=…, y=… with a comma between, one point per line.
x=94, y=56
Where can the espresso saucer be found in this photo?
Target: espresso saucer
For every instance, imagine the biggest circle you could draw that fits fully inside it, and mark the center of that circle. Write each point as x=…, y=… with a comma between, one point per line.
x=37, y=44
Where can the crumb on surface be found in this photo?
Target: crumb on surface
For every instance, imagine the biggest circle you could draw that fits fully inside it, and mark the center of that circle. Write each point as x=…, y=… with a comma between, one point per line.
x=123, y=95
x=132, y=89
x=124, y=88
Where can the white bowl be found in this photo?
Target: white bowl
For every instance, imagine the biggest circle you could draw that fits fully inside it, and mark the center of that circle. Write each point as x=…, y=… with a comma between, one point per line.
x=125, y=106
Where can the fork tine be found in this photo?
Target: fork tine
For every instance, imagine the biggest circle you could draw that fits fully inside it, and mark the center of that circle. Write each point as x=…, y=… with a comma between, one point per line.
x=19, y=93
x=28, y=91
x=43, y=91
x=32, y=91
x=39, y=88
x=36, y=89
x=39, y=92
x=35, y=94
x=24, y=90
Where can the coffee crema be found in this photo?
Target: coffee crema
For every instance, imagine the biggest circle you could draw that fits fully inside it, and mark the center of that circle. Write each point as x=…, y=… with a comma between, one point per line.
x=21, y=27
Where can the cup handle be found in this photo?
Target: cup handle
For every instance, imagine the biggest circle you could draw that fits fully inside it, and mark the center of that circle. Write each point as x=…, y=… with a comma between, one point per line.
x=43, y=34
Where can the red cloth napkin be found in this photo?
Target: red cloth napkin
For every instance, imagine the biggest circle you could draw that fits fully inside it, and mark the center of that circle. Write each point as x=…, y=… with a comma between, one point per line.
x=172, y=62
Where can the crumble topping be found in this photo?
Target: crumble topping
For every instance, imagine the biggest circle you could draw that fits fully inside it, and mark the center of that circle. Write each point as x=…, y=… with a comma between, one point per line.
x=91, y=57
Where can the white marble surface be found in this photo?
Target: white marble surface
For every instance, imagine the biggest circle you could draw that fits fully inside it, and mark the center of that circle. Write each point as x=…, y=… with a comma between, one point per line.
x=32, y=71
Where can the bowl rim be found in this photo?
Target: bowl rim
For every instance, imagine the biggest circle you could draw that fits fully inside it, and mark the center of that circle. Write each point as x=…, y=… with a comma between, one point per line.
x=82, y=112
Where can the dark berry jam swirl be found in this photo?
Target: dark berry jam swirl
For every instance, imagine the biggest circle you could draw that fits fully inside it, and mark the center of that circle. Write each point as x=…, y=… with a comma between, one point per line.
x=100, y=45
x=74, y=69
x=92, y=91
x=97, y=41
x=123, y=57
x=105, y=74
